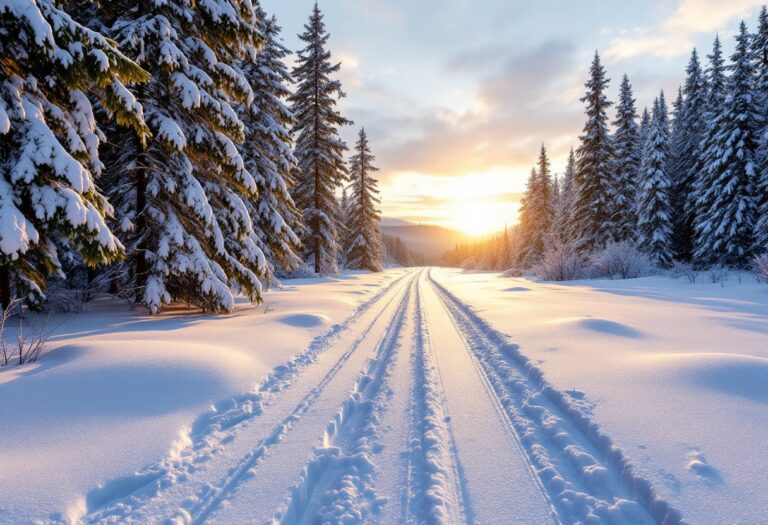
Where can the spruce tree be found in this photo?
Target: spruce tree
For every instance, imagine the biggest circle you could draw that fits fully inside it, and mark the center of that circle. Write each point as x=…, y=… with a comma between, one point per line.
x=268, y=151
x=343, y=223
x=725, y=205
x=645, y=126
x=593, y=172
x=537, y=212
x=49, y=143
x=182, y=198
x=363, y=216
x=654, y=210
x=626, y=148
x=760, y=56
x=319, y=149
x=528, y=247
x=692, y=126
x=715, y=80
x=562, y=226
x=544, y=195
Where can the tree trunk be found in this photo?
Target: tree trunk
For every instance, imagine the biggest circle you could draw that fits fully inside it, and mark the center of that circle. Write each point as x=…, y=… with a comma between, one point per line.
x=5, y=286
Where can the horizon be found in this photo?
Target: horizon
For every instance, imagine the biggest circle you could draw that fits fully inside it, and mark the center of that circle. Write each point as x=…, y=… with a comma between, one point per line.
x=459, y=157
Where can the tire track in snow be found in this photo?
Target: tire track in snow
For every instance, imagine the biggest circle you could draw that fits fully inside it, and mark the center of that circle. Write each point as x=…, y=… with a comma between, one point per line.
x=338, y=485
x=584, y=473
x=211, y=433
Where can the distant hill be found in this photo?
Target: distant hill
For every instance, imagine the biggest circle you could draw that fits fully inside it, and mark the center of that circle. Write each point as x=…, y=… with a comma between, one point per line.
x=427, y=240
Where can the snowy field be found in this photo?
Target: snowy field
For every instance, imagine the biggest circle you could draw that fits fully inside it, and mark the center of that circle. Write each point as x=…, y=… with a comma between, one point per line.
x=413, y=396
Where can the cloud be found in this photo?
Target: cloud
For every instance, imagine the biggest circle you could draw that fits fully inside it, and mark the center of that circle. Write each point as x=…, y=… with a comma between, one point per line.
x=516, y=105
x=674, y=36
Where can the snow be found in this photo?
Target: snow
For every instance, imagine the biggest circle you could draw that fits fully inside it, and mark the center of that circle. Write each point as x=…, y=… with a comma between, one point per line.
x=414, y=395
x=674, y=372
x=119, y=389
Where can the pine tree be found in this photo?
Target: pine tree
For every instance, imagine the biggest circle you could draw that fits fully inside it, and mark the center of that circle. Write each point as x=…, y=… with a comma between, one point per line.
x=536, y=211
x=715, y=80
x=268, y=153
x=182, y=198
x=626, y=164
x=654, y=210
x=344, y=222
x=593, y=172
x=645, y=126
x=562, y=225
x=49, y=151
x=692, y=124
x=319, y=149
x=725, y=205
x=760, y=56
x=363, y=216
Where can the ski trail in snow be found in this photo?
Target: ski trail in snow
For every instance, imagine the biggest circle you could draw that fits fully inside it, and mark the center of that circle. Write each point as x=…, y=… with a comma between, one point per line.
x=206, y=452
x=338, y=485
x=586, y=476
x=433, y=485
x=264, y=489
x=498, y=484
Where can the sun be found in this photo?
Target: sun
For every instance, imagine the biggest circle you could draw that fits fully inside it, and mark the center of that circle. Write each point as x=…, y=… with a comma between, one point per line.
x=476, y=218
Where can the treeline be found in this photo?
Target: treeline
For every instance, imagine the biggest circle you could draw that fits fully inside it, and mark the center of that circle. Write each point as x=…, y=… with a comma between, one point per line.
x=686, y=186
x=149, y=146
x=396, y=253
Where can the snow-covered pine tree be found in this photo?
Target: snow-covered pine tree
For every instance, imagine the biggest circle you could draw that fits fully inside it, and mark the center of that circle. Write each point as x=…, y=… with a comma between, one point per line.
x=181, y=199
x=715, y=80
x=654, y=219
x=319, y=149
x=268, y=151
x=645, y=126
x=527, y=249
x=725, y=204
x=362, y=212
x=626, y=163
x=594, y=165
x=692, y=125
x=343, y=224
x=677, y=169
x=760, y=56
x=49, y=142
x=562, y=226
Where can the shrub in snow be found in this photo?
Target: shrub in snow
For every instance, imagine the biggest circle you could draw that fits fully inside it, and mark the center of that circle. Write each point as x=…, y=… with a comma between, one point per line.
x=717, y=274
x=682, y=270
x=30, y=341
x=621, y=260
x=560, y=262
x=760, y=268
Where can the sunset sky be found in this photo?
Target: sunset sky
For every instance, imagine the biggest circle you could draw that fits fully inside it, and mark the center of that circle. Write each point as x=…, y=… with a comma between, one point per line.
x=457, y=95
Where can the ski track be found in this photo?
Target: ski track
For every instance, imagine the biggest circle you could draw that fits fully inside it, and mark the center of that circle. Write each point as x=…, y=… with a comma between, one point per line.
x=587, y=477
x=338, y=485
x=435, y=490
x=211, y=435
x=370, y=424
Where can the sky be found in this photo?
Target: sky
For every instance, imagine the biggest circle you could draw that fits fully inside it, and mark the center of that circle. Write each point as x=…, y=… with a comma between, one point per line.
x=457, y=96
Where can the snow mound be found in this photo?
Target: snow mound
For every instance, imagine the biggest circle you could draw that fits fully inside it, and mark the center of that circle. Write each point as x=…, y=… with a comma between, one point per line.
x=601, y=326
x=304, y=320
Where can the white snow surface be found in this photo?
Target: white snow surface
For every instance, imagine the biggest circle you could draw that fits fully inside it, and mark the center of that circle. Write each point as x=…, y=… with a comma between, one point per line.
x=411, y=396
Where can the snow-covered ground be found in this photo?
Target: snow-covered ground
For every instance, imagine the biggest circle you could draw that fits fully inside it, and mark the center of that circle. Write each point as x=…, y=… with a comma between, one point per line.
x=413, y=396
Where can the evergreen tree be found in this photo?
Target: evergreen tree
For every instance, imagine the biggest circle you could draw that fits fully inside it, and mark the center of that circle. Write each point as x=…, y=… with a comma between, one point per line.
x=319, y=149
x=50, y=205
x=654, y=219
x=536, y=211
x=593, y=173
x=182, y=198
x=725, y=205
x=562, y=226
x=363, y=216
x=344, y=226
x=715, y=80
x=268, y=153
x=677, y=168
x=692, y=126
x=645, y=126
x=626, y=146
x=760, y=53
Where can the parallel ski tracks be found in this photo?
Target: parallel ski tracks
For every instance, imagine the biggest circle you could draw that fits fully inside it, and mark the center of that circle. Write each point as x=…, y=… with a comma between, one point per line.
x=581, y=472
x=216, y=430
x=578, y=471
